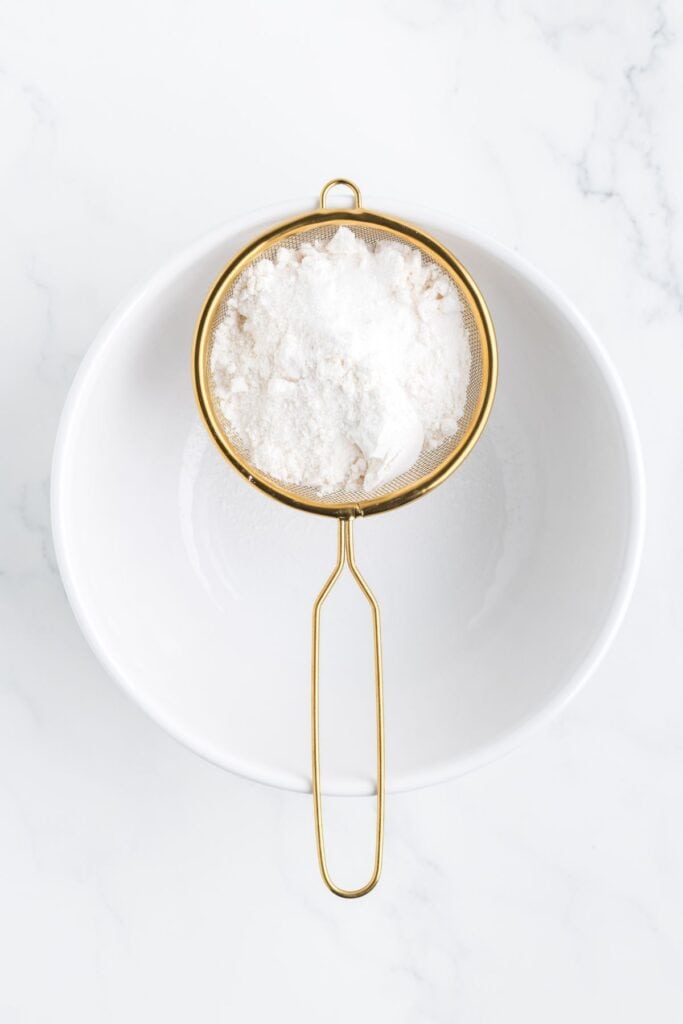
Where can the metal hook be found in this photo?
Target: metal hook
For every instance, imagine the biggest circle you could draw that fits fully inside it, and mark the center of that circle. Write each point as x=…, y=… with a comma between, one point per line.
x=358, y=202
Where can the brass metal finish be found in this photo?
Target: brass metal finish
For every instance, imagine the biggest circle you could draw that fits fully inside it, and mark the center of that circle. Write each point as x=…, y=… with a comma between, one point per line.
x=431, y=469
x=346, y=556
x=341, y=181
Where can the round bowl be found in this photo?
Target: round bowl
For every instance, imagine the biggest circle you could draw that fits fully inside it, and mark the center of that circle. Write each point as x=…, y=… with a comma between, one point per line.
x=500, y=591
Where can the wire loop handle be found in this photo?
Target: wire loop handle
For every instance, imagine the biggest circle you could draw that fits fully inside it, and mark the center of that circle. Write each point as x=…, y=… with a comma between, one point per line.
x=358, y=202
x=346, y=556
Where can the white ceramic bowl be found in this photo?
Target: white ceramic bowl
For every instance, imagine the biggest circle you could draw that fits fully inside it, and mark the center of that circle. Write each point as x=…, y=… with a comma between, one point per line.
x=500, y=591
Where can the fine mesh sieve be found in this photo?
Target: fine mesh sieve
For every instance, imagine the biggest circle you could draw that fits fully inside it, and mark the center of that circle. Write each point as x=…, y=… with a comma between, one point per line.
x=431, y=468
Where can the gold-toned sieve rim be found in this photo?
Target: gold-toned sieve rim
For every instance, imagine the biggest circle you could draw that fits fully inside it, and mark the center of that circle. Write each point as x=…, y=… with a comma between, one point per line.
x=402, y=231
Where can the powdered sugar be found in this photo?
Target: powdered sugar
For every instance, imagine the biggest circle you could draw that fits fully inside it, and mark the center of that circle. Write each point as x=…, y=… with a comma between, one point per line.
x=337, y=364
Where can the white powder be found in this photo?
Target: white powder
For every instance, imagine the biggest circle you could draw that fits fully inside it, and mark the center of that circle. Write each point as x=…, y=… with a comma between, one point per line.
x=337, y=364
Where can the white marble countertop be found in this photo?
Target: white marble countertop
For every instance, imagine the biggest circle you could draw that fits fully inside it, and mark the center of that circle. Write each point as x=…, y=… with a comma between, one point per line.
x=138, y=883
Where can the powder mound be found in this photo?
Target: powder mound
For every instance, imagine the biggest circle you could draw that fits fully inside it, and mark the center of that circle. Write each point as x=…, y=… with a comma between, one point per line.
x=336, y=364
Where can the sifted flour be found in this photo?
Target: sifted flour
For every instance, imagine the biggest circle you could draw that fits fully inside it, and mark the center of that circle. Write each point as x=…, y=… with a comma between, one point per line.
x=337, y=364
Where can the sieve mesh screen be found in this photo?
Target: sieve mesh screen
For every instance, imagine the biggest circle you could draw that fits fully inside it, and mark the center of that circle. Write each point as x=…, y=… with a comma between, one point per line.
x=430, y=459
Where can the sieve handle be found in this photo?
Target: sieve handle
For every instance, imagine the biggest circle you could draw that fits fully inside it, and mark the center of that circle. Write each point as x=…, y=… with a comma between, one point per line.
x=345, y=556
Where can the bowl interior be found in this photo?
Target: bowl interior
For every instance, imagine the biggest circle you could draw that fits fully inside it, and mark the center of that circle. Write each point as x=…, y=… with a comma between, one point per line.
x=498, y=591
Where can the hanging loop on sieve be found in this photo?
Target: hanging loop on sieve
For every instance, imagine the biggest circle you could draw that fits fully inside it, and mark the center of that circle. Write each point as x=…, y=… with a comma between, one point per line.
x=346, y=556
x=358, y=202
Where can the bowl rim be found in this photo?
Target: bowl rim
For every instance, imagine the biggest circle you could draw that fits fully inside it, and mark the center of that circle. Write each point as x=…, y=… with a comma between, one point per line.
x=340, y=785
